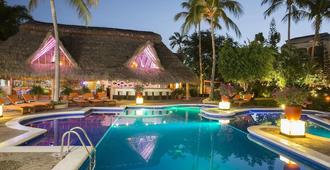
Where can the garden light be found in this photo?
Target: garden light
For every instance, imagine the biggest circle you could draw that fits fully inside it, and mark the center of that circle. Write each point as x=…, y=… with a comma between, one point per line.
x=294, y=128
x=224, y=105
x=139, y=100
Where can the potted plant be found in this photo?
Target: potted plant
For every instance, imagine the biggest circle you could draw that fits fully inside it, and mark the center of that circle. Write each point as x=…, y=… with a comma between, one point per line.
x=60, y=104
x=84, y=90
x=178, y=93
x=66, y=92
x=139, y=90
x=36, y=91
x=226, y=92
x=293, y=99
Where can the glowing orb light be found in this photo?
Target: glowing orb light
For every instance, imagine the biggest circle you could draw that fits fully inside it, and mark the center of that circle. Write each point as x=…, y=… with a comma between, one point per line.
x=139, y=100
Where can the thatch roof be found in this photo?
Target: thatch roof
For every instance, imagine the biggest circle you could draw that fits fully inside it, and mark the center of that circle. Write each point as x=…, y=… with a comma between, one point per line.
x=100, y=53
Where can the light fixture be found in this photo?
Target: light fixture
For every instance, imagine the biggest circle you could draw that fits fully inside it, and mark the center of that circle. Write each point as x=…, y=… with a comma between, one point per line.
x=283, y=106
x=1, y=110
x=327, y=98
x=224, y=105
x=139, y=100
x=294, y=128
x=224, y=121
x=177, y=85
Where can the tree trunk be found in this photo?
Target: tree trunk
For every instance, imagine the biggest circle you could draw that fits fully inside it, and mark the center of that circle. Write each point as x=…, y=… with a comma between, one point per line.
x=56, y=89
x=200, y=60
x=316, y=36
x=289, y=23
x=213, y=61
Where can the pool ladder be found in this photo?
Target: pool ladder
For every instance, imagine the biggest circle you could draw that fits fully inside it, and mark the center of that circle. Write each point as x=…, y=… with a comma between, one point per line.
x=91, y=152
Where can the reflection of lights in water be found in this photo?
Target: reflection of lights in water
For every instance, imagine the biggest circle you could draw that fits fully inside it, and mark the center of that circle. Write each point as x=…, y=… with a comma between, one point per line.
x=164, y=122
x=139, y=112
x=170, y=111
x=293, y=128
x=155, y=123
x=289, y=165
x=139, y=100
x=224, y=121
x=126, y=124
x=147, y=124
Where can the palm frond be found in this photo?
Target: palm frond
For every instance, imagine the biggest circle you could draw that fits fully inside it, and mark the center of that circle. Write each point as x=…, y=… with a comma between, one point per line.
x=82, y=9
x=33, y=4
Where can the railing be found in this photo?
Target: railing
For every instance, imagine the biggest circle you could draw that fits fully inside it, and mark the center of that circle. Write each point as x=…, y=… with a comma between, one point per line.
x=91, y=152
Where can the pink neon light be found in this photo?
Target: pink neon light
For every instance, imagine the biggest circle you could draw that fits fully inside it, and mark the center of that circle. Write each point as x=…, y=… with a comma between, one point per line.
x=49, y=46
x=146, y=60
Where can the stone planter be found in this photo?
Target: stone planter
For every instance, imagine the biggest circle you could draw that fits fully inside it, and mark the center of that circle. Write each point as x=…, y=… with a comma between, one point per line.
x=61, y=106
x=293, y=112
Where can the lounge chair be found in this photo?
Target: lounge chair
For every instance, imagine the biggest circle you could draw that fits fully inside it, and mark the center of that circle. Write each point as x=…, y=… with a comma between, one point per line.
x=28, y=98
x=75, y=98
x=90, y=98
x=103, y=96
x=245, y=99
x=20, y=106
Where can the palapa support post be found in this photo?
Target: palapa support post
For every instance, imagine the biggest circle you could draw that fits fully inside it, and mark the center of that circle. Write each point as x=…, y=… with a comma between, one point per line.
x=11, y=84
x=187, y=91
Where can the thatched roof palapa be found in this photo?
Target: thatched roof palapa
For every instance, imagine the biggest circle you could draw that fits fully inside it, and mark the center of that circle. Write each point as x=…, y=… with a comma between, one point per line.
x=98, y=54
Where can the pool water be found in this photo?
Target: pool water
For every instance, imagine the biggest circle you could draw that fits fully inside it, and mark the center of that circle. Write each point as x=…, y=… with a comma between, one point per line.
x=182, y=140
x=95, y=126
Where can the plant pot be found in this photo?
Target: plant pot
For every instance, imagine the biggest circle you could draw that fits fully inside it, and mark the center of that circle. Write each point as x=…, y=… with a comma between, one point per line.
x=139, y=94
x=293, y=112
x=224, y=98
x=61, y=106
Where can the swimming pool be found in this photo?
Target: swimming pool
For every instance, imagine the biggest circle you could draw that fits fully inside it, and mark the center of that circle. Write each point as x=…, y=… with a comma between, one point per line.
x=168, y=138
x=181, y=140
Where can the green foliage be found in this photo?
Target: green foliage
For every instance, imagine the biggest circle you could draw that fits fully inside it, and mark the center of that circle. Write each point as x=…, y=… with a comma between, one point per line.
x=84, y=90
x=291, y=96
x=295, y=68
x=274, y=36
x=260, y=38
x=10, y=19
x=246, y=64
x=37, y=90
x=98, y=90
x=193, y=92
x=190, y=51
x=177, y=93
x=139, y=88
x=1, y=92
x=227, y=90
x=67, y=90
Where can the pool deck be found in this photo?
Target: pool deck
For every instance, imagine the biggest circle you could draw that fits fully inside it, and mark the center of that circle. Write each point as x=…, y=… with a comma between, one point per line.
x=311, y=147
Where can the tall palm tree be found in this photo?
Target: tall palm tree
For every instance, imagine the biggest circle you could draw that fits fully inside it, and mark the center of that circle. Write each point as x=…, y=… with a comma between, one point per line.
x=292, y=10
x=215, y=12
x=317, y=11
x=178, y=40
x=82, y=7
x=193, y=17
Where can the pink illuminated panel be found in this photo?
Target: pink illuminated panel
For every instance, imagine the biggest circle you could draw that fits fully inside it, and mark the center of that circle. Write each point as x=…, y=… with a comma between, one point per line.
x=45, y=54
x=145, y=60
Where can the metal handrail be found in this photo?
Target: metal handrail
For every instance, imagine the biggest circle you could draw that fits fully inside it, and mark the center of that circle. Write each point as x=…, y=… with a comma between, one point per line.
x=90, y=152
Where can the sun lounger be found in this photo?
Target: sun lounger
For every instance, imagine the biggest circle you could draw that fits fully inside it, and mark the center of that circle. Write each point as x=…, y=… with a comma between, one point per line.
x=75, y=98
x=20, y=107
x=90, y=97
x=103, y=96
x=29, y=99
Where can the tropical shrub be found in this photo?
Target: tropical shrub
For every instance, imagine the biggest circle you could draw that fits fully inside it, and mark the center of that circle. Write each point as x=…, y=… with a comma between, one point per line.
x=66, y=91
x=291, y=96
x=227, y=90
x=84, y=90
x=37, y=90
x=246, y=64
x=177, y=93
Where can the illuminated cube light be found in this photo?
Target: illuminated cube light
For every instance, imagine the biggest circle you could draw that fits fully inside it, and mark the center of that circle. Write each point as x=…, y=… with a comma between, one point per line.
x=224, y=105
x=224, y=121
x=294, y=128
x=139, y=100
x=1, y=109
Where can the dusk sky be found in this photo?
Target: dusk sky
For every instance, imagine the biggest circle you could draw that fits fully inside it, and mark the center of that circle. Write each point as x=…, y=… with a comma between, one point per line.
x=157, y=16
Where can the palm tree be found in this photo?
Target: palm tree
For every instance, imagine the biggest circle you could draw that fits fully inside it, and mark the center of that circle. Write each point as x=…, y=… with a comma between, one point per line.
x=317, y=11
x=292, y=10
x=193, y=17
x=215, y=11
x=178, y=40
x=84, y=13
